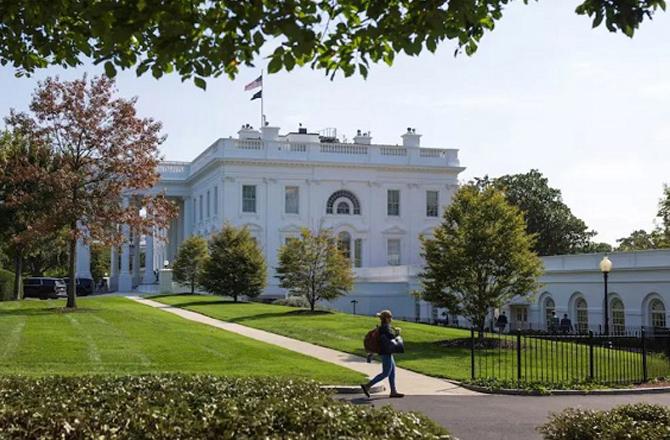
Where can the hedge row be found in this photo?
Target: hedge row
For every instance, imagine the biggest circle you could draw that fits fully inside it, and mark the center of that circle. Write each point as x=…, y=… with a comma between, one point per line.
x=6, y=285
x=640, y=421
x=202, y=407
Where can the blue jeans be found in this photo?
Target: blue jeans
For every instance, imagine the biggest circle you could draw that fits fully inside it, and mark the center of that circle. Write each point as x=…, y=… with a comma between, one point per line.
x=388, y=370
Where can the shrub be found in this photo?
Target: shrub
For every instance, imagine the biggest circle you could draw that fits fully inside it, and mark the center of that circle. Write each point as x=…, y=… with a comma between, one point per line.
x=6, y=285
x=640, y=421
x=292, y=301
x=166, y=407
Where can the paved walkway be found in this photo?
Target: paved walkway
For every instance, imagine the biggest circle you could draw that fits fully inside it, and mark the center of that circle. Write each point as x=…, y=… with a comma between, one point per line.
x=496, y=417
x=409, y=382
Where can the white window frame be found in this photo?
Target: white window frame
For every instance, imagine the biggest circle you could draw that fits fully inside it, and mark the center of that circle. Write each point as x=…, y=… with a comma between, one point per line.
x=297, y=199
x=396, y=204
x=200, y=207
x=396, y=261
x=255, y=199
x=437, y=203
x=216, y=201
x=209, y=204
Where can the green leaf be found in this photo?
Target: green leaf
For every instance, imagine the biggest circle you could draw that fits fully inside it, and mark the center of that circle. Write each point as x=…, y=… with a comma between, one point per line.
x=110, y=70
x=199, y=82
x=275, y=64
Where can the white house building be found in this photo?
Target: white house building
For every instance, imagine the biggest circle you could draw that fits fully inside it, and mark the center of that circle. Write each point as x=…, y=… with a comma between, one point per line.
x=377, y=199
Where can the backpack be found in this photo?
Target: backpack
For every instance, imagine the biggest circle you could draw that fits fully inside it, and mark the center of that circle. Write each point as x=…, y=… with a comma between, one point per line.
x=372, y=342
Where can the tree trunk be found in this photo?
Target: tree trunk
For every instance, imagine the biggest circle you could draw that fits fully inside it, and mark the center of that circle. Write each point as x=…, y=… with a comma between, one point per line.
x=72, y=261
x=235, y=298
x=18, y=279
x=192, y=286
x=312, y=302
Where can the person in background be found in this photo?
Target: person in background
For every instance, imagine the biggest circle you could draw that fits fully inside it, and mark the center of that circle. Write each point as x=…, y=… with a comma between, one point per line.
x=501, y=322
x=387, y=335
x=566, y=324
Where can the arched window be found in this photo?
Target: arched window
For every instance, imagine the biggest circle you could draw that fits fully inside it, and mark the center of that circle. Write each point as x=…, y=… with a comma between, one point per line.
x=342, y=194
x=582, y=315
x=344, y=243
x=343, y=208
x=657, y=313
x=549, y=309
x=617, y=316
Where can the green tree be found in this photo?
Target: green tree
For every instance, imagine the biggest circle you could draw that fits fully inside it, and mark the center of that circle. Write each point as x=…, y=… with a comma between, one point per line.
x=191, y=258
x=642, y=240
x=101, y=256
x=28, y=190
x=236, y=266
x=313, y=267
x=200, y=39
x=480, y=256
x=664, y=214
x=596, y=247
x=557, y=230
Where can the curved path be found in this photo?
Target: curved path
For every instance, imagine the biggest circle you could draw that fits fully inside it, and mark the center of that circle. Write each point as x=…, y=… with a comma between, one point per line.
x=413, y=383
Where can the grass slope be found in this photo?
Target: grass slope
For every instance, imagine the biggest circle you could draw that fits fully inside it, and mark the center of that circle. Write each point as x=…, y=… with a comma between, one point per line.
x=424, y=353
x=114, y=335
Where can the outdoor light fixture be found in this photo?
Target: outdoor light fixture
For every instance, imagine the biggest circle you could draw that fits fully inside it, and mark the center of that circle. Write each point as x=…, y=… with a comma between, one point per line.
x=166, y=263
x=354, y=302
x=606, y=268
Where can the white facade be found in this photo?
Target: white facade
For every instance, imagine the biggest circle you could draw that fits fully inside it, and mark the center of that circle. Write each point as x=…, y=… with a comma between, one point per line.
x=377, y=199
x=638, y=293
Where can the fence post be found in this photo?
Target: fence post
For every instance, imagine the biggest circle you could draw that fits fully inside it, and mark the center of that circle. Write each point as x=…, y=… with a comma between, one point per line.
x=591, y=366
x=518, y=355
x=472, y=353
x=644, y=356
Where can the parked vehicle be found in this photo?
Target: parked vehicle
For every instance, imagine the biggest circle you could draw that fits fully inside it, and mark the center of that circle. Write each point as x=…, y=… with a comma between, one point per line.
x=85, y=286
x=43, y=288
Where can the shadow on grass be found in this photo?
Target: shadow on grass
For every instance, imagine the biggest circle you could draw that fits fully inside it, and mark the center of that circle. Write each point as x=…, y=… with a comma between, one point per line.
x=44, y=311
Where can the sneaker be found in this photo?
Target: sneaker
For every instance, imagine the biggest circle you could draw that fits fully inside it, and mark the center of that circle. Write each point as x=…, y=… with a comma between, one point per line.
x=369, y=357
x=366, y=390
x=397, y=395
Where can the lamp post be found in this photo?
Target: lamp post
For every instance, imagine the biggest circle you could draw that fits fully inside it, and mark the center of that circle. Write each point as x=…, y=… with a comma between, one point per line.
x=606, y=268
x=354, y=302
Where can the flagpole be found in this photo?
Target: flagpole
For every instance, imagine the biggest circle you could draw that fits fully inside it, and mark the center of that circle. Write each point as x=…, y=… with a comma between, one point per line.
x=262, y=89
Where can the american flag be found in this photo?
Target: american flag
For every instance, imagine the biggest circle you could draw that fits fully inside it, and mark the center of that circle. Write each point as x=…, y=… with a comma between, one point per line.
x=254, y=84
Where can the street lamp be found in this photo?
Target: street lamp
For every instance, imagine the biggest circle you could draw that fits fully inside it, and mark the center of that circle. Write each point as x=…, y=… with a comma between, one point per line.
x=606, y=268
x=354, y=302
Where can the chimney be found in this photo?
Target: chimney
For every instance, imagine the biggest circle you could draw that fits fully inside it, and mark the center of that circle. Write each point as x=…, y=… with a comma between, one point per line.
x=362, y=138
x=269, y=133
x=248, y=132
x=410, y=139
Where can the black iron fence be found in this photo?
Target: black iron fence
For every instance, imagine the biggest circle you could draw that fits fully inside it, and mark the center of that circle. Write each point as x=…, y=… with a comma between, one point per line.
x=626, y=357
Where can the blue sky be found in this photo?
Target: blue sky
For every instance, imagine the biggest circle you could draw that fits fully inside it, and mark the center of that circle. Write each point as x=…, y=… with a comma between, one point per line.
x=588, y=108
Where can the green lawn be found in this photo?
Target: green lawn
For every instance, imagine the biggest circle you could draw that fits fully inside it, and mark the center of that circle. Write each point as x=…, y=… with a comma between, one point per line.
x=114, y=335
x=424, y=351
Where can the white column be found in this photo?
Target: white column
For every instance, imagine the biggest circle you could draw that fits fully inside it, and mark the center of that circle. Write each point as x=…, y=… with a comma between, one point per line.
x=83, y=259
x=136, y=258
x=149, y=267
x=125, y=279
x=113, y=269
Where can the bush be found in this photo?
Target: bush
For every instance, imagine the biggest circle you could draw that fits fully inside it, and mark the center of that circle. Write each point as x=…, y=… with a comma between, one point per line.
x=6, y=285
x=640, y=421
x=292, y=301
x=166, y=407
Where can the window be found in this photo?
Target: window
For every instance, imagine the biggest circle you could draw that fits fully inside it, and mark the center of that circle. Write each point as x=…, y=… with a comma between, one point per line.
x=195, y=209
x=216, y=200
x=248, y=198
x=582, y=312
x=393, y=202
x=291, y=200
x=350, y=198
x=343, y=208
x=432, y=203
x=200, y=206
x=657, y=313
x=393, y=252
x=208, y=205
x=618, y=316
x=344, y=243
x=358, y=252
x=549, y=309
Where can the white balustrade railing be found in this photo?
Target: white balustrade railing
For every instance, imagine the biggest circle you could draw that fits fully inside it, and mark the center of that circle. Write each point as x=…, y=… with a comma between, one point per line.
x=393, y=151
x=344, y=149
x=249, y=144
x=433, y=152
x=172, y=168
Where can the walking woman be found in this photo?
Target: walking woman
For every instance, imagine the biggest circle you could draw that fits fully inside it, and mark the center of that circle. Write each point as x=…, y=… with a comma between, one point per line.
x=390, y=342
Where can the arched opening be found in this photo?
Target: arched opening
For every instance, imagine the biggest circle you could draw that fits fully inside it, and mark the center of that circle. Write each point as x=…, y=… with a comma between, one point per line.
x=343, y=208
x=581, y=315
x=617, y=316
x=344, y=243
x=549, y=311
x=657, y=313
x=335, y=201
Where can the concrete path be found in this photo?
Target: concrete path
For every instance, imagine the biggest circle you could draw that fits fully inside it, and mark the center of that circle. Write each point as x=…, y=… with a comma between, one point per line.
x=409, y=382
x=496, y=417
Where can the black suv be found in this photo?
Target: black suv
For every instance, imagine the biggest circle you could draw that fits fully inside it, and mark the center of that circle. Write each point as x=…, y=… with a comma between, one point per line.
x=85, y=286
x=43, y=287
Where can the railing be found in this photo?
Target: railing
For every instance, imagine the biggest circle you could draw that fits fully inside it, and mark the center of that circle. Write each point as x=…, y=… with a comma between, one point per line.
x=432, y=152
x=343, y=149
x=557, y=358
x=172, y=168
x=393, y=151
x=246, y=144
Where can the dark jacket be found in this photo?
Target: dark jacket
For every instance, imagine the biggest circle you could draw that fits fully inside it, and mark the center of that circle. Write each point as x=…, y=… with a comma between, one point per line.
x=386, y=335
